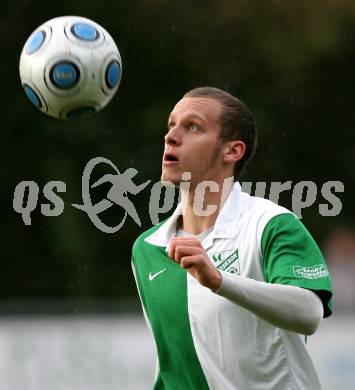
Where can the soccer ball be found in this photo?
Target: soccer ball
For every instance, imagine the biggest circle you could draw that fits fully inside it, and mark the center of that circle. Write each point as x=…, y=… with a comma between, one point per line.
x=70, y=67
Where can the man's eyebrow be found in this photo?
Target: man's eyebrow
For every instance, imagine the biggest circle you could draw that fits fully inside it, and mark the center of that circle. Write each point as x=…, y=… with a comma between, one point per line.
x=189, y=116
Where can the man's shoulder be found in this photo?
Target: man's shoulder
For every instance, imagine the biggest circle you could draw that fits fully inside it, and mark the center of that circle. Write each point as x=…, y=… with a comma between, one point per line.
x=256, y=207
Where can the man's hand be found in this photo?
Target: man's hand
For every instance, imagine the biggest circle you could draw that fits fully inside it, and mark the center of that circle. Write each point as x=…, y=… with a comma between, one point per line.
x=189, y=253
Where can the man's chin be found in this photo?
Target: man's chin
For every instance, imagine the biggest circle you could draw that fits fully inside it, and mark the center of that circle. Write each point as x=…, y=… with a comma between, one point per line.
x=170, y=180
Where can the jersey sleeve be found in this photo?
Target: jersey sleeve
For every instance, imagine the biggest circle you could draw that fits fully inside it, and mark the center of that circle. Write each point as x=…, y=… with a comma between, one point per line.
x=291, y=256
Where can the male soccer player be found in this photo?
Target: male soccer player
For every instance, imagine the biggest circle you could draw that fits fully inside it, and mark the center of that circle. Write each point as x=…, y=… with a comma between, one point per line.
x=230, y=283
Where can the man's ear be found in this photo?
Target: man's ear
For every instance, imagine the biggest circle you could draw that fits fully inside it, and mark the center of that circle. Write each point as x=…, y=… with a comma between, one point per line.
x=233, y=151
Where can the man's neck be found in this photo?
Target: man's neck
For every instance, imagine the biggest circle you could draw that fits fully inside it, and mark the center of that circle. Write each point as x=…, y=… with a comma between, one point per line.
x=201, y=206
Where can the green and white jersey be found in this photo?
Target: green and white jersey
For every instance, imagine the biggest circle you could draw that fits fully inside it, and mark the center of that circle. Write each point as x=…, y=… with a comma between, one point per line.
x=203, y=340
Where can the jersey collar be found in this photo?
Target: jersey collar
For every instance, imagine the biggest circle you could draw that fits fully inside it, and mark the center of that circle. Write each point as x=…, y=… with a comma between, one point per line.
x=224, y=227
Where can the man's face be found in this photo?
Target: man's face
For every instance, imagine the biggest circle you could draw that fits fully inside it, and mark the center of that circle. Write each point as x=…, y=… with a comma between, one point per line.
x=192, y=142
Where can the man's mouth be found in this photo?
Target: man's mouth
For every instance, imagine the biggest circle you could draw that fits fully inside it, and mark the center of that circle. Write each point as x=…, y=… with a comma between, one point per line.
x=170, y=159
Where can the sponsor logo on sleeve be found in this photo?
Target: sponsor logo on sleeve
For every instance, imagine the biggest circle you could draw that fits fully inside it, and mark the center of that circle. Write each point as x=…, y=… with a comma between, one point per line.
x=315, y=272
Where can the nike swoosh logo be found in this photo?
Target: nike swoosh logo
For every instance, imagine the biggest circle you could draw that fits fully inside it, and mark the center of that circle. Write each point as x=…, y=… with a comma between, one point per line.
x=151, y=277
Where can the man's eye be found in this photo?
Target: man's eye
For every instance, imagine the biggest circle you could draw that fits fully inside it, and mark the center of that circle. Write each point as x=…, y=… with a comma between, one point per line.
x=194, y=127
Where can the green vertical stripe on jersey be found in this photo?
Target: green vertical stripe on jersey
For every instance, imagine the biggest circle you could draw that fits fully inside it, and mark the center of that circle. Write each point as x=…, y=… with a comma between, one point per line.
x=165, y=301
x=291, y=256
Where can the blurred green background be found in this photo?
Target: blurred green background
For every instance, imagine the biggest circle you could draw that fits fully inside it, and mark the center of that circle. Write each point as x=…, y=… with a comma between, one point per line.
x=292, y=63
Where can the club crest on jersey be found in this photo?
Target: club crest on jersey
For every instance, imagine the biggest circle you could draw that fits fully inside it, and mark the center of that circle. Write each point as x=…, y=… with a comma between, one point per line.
x=227, y=261
x=315, y=272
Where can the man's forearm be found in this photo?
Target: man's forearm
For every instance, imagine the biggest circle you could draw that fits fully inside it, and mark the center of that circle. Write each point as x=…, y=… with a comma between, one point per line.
x=288, y=307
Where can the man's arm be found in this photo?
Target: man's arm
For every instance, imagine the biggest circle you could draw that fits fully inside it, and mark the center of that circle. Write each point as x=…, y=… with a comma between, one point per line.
x=287, y=307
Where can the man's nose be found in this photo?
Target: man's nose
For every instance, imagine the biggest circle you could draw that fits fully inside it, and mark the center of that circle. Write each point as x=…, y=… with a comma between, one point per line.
x=173, y=137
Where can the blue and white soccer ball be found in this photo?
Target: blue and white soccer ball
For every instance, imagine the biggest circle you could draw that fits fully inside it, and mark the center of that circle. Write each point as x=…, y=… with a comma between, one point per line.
x=70, y=67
